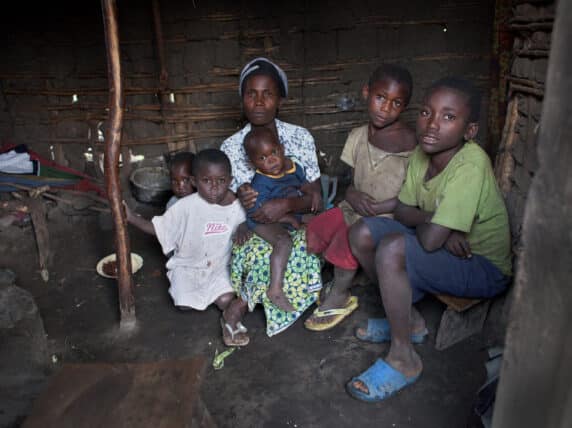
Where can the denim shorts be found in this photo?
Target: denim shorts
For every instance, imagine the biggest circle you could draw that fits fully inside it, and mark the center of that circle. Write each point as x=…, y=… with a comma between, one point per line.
x=440, y=272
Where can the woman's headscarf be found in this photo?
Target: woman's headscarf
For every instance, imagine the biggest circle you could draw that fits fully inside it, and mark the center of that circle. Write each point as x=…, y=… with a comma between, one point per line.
x=263, y=66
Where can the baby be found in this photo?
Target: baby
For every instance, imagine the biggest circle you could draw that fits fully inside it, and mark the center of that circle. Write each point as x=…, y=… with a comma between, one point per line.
x=276, y=177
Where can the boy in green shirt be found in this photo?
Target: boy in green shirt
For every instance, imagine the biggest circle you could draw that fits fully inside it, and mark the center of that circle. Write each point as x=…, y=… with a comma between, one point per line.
x=450, y=235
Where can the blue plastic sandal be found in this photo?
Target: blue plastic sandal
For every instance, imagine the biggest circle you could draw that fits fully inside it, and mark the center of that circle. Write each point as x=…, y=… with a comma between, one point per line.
x=382, y=381
x=378, y=331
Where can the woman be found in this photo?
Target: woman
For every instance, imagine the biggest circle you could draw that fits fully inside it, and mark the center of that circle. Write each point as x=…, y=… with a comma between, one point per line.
x=262, y=88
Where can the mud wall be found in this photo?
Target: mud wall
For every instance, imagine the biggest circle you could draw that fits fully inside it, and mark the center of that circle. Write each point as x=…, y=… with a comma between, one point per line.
x=517, y=161
x=54, y=83
x=535, y=384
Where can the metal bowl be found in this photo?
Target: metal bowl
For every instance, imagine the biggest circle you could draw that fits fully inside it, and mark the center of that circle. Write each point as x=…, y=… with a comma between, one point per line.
x=151, y=184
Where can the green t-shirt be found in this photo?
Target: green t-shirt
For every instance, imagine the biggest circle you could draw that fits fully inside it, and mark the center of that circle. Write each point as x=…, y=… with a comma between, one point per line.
x=464, y=197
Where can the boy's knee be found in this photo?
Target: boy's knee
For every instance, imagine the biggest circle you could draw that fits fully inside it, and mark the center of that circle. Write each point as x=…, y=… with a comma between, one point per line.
x=391, y=251
x=224, y=300
x=360, y=237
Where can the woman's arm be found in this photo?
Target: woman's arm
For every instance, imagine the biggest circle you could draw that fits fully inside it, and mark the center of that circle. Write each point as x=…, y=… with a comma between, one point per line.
x=271, y=211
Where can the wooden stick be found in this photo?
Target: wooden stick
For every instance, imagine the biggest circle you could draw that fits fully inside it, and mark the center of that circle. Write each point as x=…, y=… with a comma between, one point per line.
x=43, y=192
x=160, y=44
x=513, y=87
x=38, y=215
x=504, y=167
x=111, y=165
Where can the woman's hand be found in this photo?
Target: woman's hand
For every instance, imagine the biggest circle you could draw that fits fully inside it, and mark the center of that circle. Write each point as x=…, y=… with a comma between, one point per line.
x=242, y=234
x=458, y=245
x=314, y=191
x=246, y=195
x=272, y=211
x=317, y=202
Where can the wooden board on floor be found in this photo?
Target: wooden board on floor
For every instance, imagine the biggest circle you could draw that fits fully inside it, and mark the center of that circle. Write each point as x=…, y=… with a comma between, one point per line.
x=162, y=394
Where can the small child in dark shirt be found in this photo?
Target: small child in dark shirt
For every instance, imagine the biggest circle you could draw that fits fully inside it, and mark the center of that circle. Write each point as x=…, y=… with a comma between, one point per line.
x=276, y=177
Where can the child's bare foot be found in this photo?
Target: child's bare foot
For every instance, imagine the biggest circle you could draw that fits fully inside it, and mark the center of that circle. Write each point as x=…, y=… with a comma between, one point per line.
x=277, y=297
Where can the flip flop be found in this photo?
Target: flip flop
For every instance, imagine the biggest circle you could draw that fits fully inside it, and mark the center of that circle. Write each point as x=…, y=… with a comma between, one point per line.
x=237, y=336
x=337, y=314
x=382, y=381
x=379, y=330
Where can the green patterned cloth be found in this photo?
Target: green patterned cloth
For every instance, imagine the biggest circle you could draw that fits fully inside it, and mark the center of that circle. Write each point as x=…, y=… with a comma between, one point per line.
x=250, y=277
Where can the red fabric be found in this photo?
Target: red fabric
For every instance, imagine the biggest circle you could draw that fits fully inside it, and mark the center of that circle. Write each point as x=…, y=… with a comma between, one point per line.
x=327, y=234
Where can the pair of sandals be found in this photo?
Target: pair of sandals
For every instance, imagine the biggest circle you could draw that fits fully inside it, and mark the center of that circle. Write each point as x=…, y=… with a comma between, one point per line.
x=381, y=380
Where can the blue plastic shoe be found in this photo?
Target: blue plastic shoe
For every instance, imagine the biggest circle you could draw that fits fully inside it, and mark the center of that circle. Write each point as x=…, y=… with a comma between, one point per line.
x=379, y=330
x=382, y=381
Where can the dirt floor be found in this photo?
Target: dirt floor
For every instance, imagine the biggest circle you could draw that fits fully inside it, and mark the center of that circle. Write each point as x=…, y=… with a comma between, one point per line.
x=295, y=379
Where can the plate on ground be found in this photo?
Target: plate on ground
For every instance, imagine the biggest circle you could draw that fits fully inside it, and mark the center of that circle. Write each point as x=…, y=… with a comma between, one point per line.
x=107, y=266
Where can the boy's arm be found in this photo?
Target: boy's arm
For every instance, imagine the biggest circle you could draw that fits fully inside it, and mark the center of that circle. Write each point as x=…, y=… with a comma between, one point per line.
x=138, y=221
x=432, y=236
x=385, y=207
x=361, y=202
x=411, y=216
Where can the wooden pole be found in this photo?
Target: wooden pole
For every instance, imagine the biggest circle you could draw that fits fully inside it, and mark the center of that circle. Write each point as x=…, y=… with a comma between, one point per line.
x=111, y=165
x=164, y=75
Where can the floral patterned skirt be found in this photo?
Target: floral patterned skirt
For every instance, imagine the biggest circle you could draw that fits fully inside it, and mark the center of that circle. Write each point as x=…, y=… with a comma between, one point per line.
x=250, y=278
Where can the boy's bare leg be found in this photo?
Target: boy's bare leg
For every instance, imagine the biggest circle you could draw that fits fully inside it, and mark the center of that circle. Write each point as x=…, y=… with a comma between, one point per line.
x=224, y=300
x=232, y=315
x=277, y=236
x=337, y=297
x=339, y=294
x=234, y=310
x=396, y=296
x=364, y=251
x=363, y=248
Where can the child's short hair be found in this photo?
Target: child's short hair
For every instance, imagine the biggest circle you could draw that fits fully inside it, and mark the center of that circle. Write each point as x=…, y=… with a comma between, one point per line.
x=394, y=72
x=258, y=132
x=211, y=156
x=465, y=87
x=182, y=158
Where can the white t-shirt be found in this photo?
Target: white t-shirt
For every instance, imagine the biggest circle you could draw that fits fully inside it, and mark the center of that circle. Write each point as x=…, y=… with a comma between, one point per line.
x=199, y=234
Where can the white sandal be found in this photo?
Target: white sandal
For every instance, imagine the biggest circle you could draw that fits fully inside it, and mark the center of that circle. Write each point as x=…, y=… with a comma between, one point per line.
x=234, y=341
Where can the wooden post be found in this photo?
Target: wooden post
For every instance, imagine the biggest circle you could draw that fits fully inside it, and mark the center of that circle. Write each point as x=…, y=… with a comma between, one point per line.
x=111, y=165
